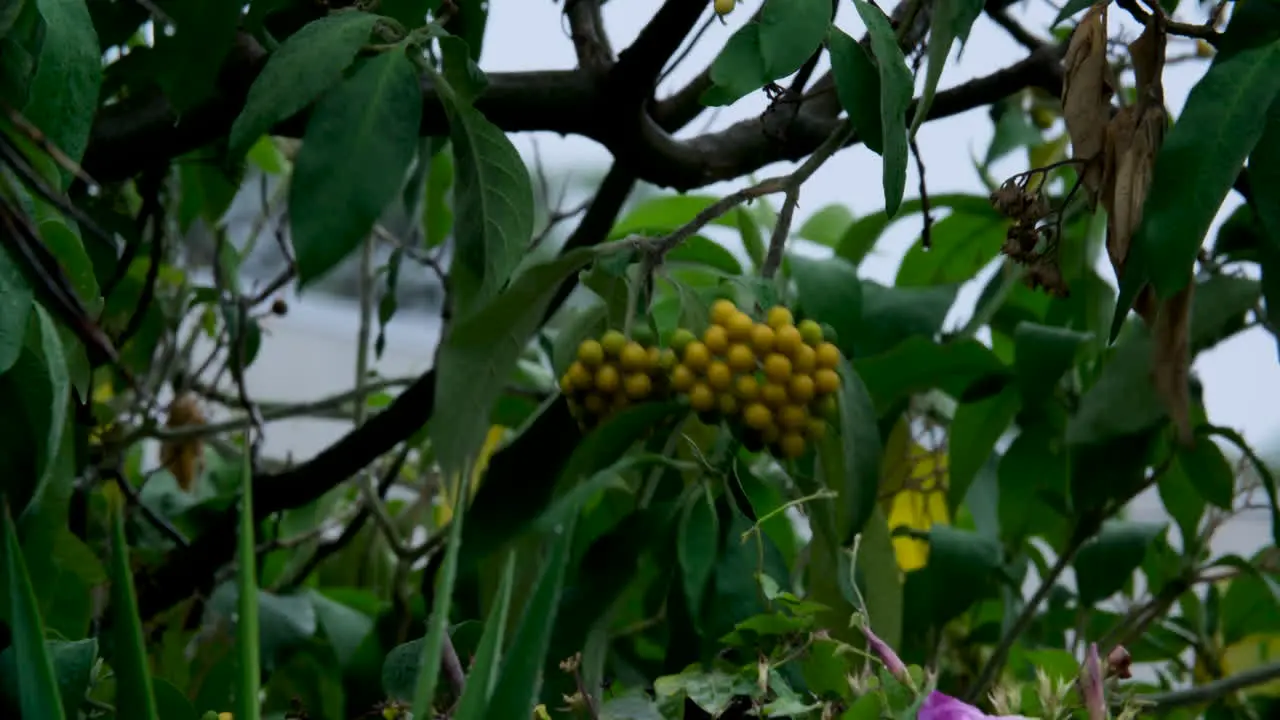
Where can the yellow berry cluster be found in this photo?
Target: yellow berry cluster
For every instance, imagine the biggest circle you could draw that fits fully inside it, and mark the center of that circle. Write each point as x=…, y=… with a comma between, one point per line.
x=610, y=374
x=775, y=380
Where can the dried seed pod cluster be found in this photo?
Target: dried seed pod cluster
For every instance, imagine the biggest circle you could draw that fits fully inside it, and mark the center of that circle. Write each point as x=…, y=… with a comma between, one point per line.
x=773, y=381
x=611, y=373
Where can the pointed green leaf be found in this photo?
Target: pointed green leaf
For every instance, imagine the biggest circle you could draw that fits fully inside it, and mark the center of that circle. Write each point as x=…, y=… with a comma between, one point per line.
x=438, y=622
x=492, y=205
x=309, y=62
x=963, y=244
x=521, y=676
x=15, y=308
x=896, y=88
x=830, y=292
x=696, y=548
x=190, y=57
x=483, y=676
x=479, y=353
x=857, y=87
x=135, y=697
x=64, y=91
x=38, y=690
x=1105, y=563
x=861, y=236
x=353, y=160
x=850, y=456
x=975, y=429
x=951, y=20
x=1223, y=120
x=775, y=46
x=36, y=393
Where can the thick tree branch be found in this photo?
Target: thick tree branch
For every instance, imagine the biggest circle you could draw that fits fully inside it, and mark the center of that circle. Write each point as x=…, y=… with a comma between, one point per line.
x=586, y=29
x=639, y=65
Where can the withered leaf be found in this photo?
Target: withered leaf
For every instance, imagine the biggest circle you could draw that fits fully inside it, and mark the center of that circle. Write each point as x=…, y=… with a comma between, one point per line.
x=184, y=456
x=1147, y=54
x=1086, y=94
x=1171, y=362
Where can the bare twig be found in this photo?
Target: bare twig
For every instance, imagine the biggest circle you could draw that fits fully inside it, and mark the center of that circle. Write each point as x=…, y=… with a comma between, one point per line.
x=164, y=526
x=926, y=222
x=1209, y=692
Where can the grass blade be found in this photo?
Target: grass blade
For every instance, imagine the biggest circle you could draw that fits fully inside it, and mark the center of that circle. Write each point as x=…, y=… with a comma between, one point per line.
x=37, y=688
x=517, y=689
x=247, y=707
x=438, y=625
x=484, y=673
x=135, y=696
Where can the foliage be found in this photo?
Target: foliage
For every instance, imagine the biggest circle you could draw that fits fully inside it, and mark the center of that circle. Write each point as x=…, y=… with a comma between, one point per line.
x=688, y=461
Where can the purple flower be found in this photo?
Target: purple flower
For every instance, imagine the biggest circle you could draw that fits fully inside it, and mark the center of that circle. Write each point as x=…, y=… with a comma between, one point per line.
x=1091, y=685
x=890, y=658
x=940, y=706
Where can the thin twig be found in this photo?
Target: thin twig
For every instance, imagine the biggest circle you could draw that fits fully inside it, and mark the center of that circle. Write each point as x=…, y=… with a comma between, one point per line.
x=927, y=216
x=1202, y=694
x=164, y=526
x=791, y=186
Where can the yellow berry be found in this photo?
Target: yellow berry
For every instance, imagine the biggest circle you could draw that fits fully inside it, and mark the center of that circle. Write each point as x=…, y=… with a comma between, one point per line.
x=722, y=310
x=580, y=376
x=792, y=445
x=681, y=339
x=613, y=342
x=1203, y=49
x=633, y=357
x=724, y=7
x=728, y=404
x=620, y=403
x=682, y=378
x=719, y=376
x=697, y=356
x=801, y=388
x=716, y=338
x=788, y=340
x=739, y=327
x=774, y=396
x=594, y=404
x=779, y=317
x=792, y=417
x=804, y=360
x=741, y=359
x=607, y=379
x=701, y=397
x=566, y=384
x=638, y=386
x=746, y=387
x=815, y=429
x=828, y=408
x=667, y=359
x=827, y=381
x=828, y=356
x=810, y=332
x=770, y=434
x=590, y=353
x=762, y=338
x=757, y=416
x=652, y=357
x=777, y=368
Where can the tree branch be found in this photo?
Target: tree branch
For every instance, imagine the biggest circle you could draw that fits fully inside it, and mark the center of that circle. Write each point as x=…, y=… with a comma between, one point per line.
x=1209, y=692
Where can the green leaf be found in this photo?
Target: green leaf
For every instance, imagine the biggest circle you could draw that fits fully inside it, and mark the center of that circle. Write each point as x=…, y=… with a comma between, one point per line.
x=64, y=91
x=827, y=225
x=72, y=667
x=357, y=149
x=482, y=678
x=850, y=458
x=517, y=689
x=432, y=651
x=1013, y=131
x=190, y=59
x=951, y=20
x=1032, y=478
x=707, y=253
x=67, y=248
x=1123, y=400
x=1264, y=176
x=308, y=63
x=16, y=299
x=893, y=315
x=1043, y=353
x=896, y=87
x=465, y=77
x=862, y=235
x=963, y=244
x=775, y=46
x=171, y=703
x=437, y=215
x=1105, y=563
x=36, y=393
x=666, y=213
x=1071, y=7
x=38, y=691
x=975, y=429
x=963, y=567
x=830, y=292
x=492, y=204
x=697, y=548
x=344, y=626
x=918, y=365
x=1222, y=121
x=857, y=87
x=1209, y=472
x=135, y=697
x=479, y=352
x=1184, y=503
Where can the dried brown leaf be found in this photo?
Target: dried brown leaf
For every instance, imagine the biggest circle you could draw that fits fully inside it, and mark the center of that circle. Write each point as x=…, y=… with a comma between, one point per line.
x=1171, y=362
x=1086, y=95
x=1147, y=54
x=183, y=457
